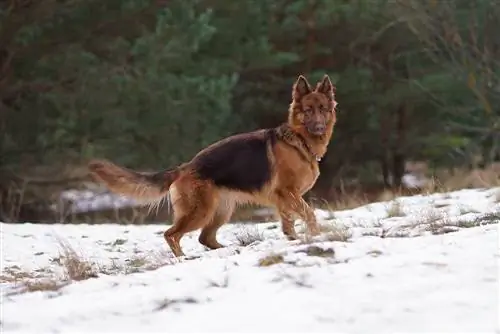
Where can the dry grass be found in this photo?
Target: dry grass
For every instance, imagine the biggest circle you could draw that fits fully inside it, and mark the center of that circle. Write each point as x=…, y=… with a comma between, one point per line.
x=439, y=181
x=447, y=225
x=247, y=235
x=346, y=203
x=270, y=260
x=330, y=230
x=313, y=250
x=14, y=274
x=152, y=262
x=458, y=178
x=431, y=218
x=15, y=196
x=76, y=267
x=31, y=281
x=39, y=285
x=333, y=231
x=488, y=218
x=395, y=209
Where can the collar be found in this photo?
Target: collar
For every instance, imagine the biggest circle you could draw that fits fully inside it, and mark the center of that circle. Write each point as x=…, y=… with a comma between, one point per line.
x=297, y=141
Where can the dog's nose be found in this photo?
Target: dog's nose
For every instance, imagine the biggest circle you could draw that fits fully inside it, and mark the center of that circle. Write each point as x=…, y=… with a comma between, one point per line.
x=319, y=128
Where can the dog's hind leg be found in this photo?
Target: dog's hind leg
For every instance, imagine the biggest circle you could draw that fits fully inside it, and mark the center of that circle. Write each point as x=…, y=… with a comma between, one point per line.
x=192, y=210
x=222, y=216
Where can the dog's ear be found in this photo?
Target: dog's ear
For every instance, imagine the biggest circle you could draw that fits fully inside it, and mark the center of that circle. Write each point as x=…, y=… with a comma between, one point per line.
x=326, y=87
x=301, y=88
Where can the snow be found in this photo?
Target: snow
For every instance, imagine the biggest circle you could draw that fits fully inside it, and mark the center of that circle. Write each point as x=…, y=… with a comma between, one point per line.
x=417, y=264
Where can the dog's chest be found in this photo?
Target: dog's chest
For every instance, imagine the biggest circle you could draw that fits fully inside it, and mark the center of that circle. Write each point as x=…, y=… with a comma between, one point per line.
x=308, y=177
x=294, y=172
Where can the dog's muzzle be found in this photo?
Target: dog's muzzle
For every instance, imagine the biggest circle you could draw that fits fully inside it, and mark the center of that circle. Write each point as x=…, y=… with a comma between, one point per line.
x=317, y=129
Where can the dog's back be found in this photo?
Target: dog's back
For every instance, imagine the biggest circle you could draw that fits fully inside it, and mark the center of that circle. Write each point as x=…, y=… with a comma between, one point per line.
x=240, y=162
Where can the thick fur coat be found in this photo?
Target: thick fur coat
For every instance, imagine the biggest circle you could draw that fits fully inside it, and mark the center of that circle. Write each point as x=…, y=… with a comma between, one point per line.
x=272, y=167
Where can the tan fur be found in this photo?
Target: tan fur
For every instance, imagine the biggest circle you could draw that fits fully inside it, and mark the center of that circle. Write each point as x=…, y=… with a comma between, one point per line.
x=201, y=204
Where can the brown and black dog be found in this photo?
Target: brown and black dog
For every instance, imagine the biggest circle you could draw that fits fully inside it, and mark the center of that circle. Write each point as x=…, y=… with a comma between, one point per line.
x=271, y=167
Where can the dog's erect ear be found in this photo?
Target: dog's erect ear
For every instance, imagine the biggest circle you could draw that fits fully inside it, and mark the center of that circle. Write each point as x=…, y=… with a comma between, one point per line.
x=301, y=88
x=326, y=87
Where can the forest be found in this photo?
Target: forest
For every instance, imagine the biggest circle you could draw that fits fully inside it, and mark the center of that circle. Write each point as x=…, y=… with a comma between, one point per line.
x=148, y=83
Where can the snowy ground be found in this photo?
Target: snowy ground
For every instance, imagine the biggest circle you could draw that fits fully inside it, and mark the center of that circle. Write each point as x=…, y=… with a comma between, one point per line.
x=418, y=264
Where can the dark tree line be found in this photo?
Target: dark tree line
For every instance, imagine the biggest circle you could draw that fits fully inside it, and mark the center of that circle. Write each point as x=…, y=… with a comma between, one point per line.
x=148, y=83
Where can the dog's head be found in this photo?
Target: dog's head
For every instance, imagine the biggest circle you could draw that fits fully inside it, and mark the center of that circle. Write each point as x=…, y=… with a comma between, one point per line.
x=313, y=110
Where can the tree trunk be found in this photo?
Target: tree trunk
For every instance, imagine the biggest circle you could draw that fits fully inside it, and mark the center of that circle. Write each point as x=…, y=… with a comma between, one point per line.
x=399, y=152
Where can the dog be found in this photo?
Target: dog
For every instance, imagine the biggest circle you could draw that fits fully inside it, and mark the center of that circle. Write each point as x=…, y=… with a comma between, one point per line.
x=272, y=167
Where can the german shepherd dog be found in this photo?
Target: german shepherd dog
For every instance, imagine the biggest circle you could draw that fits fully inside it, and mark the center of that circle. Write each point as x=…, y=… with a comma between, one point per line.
x=272, y=167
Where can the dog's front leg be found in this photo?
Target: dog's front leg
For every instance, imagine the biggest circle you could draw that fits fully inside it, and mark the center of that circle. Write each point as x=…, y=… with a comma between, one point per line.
x=287, y=226
x=291, y=202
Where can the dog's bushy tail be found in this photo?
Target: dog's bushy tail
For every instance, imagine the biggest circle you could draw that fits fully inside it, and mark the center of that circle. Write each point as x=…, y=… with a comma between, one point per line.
x=149, y=187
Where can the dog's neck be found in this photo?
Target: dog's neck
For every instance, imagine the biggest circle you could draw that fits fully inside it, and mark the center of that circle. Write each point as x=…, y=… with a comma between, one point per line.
x=312, y=148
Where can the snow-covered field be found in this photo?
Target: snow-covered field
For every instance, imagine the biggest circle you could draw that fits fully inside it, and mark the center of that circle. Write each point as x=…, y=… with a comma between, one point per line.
x=418, y=264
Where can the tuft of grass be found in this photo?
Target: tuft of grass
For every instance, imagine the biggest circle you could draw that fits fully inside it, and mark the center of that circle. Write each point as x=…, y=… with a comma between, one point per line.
x=434, y=221
x=76, y=268
x=136, y=264
x=270, y=260
x=488, y=218
x=14, y=274
x=247, y=235
x=437, y=223
x=313, y=250
x=40, y=285
x=445, y=225
x=429, y=220
x=395, y=209
x=335, y=232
